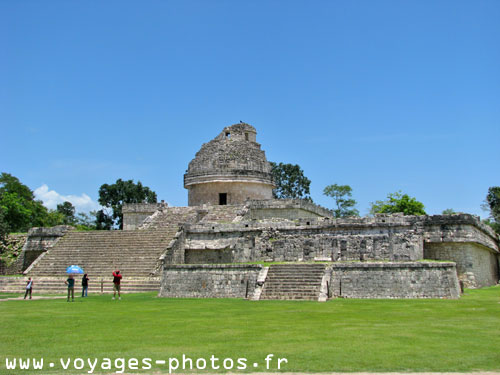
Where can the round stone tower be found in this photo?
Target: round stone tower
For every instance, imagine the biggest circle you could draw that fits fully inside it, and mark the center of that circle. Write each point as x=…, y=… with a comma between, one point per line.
x=229, y=169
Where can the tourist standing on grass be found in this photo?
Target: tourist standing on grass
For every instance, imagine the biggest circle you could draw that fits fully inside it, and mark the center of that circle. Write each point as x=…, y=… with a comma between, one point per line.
x=71, y=287
x=117, y=278
x=29, y=288
x=85, y=285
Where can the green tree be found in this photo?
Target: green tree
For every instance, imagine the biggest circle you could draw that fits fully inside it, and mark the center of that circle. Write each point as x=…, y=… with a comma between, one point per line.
x=21, y=210
x=342, y=194
x=448, y=211
x=115, y=195
x=398, y=202
x=493, y=204
x=68, y=211
x=17, y=213
x=11, y=184
x=16, y=202
x=4, y=227
x=85, y=221
x=41, y=216
x=104, y=221
x=290, y=182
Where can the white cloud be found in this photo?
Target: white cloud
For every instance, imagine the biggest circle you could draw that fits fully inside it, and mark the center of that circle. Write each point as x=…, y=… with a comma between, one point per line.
x=52, y=198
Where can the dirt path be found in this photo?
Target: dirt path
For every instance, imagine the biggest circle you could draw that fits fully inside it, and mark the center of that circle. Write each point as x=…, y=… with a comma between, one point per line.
x=341, y=373
x=20, y=298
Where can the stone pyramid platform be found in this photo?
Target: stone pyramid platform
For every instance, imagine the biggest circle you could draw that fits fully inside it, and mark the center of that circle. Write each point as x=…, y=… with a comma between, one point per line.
x=135, y=253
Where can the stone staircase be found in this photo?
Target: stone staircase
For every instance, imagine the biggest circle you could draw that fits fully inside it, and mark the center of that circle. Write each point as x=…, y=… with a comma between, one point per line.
x=169, y=216
x=97, y=285
x=135, y=253
x=293, y=281
x=224, y=214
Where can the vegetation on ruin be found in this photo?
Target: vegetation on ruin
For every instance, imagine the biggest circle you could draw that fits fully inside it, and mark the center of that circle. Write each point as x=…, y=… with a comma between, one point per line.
x=342, y=196
x=339, y=335
x=10, y=248
x=398, y=202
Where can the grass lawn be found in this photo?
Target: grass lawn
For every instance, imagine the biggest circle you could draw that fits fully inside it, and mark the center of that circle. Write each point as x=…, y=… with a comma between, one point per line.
x=339, y=335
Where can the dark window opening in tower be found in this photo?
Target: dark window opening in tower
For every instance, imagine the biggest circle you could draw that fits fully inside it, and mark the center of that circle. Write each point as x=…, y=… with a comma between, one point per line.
x=228, y=135
x=222, y=199
x=246, y=136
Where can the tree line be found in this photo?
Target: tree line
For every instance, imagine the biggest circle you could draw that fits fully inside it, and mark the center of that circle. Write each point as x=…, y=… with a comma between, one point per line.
x=19, y=210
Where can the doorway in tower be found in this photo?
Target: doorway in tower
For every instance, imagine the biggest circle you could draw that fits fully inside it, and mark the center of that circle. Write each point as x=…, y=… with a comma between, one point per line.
x=222, y=199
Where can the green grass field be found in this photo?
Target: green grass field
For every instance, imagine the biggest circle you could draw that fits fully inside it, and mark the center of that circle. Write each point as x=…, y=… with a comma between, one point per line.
x=339, y=335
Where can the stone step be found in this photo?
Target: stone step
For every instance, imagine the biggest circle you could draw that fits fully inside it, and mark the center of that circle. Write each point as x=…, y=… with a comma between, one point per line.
x=51, y=285
x=283, y=284
x=134, y=253
x=293, y=281
x=63, y=260
x=297, y=274
x=278, y=287
x=314, y=270
x=290, y=297
x=295, y=277
x=281, y=267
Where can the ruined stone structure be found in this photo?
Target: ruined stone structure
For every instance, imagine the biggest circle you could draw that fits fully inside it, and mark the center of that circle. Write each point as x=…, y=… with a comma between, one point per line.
x=229, y=169
x=220, y=247
x=383, y=256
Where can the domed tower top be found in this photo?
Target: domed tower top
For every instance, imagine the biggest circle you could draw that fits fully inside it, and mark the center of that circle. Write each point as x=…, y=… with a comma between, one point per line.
x=239, y=132
x=229, y=169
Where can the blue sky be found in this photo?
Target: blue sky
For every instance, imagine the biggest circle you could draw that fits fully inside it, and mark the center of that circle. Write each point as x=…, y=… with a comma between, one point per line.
x=380, y=95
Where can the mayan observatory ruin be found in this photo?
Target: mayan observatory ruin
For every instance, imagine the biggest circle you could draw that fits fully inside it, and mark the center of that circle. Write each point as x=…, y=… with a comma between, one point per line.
x=234, y=240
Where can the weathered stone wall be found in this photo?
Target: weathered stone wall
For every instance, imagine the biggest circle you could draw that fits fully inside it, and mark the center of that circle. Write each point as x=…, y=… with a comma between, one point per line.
x=394, y=280
x=289, y=209
x=311, y=239
x=11, y=259
x=209, y=281
x=13, y=268
x=477, y=265
x=237, y=192
x=198, y=256
x=134, y=214
x=307, y=245
x=39, y=241
x=459, y=228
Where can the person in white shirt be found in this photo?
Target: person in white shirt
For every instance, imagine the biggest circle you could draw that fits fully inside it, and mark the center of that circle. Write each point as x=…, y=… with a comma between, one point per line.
x=29, y=288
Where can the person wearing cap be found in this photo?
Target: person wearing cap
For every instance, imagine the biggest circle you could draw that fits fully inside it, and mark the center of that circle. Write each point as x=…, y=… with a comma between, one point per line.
x=117, y=278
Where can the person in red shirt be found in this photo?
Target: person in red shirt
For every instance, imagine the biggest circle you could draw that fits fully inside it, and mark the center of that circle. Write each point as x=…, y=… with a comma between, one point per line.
x=117, y=278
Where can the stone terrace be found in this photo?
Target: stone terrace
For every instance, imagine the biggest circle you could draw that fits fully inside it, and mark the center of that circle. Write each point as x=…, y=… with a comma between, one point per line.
x=134, y=253
x=169, y=216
